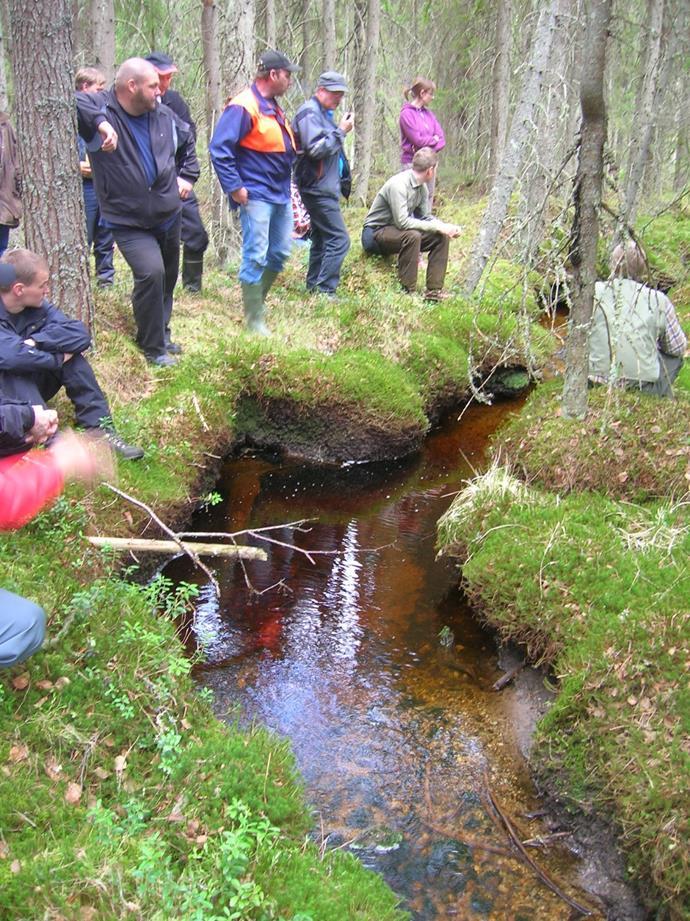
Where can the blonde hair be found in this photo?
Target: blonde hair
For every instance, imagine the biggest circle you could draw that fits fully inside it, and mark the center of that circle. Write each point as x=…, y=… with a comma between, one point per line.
x=629, y=260
x=417, y=87
x=27, y=265
x=87, y=76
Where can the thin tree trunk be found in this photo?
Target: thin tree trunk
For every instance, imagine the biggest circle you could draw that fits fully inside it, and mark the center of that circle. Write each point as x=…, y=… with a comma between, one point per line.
x=246, y=39
x=364, y=140
x=500, y=87
x=644, y=120
x=682, y=148
x=271, y=34
x=329, y=47
x=103, y=36
x=46, y=123
x=585, y=233
x=4, y=99
x=305, y=56
x=497, y=208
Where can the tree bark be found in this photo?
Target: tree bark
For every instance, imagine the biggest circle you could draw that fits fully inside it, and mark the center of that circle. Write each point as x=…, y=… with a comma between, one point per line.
x=329, y=46
x=271, y=34
x=644, y=120
x=103, y=36
x=46, y=124
x=364, y=139
x=521, y=125
x=500, y=87
x=4, y=99
x=587, y=198
x=245, y=11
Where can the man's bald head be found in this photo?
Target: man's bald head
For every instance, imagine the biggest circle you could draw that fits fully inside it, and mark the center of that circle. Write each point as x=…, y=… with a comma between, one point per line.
x=136, y=86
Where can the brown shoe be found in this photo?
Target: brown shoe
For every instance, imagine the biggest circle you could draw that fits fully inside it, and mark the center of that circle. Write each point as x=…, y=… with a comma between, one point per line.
x=436, y=295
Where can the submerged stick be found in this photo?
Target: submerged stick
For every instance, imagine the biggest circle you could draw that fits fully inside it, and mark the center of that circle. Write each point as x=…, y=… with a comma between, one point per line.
x=507, y=677
x=542, y=874
x=140, y=544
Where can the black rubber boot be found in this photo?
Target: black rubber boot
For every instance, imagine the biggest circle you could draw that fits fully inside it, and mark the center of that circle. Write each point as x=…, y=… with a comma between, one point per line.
x=192, y=270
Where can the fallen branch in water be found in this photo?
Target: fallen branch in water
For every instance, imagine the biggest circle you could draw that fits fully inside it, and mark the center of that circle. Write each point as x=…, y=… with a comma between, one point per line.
x=469, y=842
x=507, y=677
x=190, y=553
x=515, y=839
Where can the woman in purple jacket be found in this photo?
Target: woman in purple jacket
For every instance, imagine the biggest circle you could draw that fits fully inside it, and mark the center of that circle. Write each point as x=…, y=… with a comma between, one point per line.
x=419, y=127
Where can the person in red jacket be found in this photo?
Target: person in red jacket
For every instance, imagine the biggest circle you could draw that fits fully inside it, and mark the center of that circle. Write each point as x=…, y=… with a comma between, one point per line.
x=29, y=481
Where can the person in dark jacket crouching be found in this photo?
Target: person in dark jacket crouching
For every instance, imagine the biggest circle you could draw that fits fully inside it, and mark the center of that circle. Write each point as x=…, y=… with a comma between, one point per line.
x=144, y=165
x=41, y=350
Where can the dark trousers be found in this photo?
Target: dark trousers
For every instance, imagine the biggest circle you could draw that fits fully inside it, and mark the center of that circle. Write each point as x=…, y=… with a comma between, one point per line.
x=79, y=381
x=192, y=231
x=154, y=258
x=99, y=236
x=409, y=244
x=329, y=241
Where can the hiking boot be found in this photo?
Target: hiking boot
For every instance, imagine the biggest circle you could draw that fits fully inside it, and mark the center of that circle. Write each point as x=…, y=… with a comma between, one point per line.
x=119, y=445
x=436, y=296
x=173, y=348
x=161, y=361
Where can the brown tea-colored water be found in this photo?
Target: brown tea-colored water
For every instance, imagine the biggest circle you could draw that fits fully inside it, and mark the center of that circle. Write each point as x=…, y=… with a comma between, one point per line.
x=396, y=734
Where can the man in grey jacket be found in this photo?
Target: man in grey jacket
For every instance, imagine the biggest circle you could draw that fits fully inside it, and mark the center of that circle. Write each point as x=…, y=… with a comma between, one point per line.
x=318, y=176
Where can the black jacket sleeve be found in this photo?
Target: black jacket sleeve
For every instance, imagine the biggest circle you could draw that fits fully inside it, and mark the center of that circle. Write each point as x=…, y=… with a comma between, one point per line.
x=16, y=419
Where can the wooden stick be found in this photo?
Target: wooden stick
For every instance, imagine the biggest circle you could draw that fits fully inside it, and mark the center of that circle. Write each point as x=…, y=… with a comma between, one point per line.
x=507, y=677
x=140, y=544
x=542, y=874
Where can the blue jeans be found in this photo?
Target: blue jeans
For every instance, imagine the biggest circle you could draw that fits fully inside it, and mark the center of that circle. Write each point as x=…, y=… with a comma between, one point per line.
x=329, y=241
x=266, y=238
x=22, y=628
x=98, y=236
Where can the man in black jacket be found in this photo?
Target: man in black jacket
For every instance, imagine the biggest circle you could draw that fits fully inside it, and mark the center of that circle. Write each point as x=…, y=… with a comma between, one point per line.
x=144, y=164
x=192, y=231
x=41, y=351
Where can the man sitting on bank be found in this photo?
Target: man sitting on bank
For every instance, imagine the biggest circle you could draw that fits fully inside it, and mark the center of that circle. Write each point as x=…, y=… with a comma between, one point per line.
x=635, y=339
x=41, y=349
x=399, y=221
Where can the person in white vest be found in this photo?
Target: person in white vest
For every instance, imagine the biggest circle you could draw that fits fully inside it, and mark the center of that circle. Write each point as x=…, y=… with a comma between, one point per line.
x=635, y=338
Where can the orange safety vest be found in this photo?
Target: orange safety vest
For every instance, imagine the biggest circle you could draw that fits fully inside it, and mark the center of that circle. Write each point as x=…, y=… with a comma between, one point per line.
x=266, y=134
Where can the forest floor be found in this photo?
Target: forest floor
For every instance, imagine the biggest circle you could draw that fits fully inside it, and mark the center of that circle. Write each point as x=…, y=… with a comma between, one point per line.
x=121, y=796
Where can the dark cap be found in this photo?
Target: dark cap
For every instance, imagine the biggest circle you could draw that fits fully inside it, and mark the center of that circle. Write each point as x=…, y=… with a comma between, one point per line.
x=163, y=63
x=8, y=275
x=333, y=81
x=276, y=60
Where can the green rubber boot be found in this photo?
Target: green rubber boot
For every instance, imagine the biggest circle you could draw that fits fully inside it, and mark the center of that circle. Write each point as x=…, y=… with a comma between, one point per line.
x=254, y=309
x=267, y=280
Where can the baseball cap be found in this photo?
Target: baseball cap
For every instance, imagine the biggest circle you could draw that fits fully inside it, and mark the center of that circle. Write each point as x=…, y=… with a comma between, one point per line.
x=163, y=63
x=276, y=60
x=333, y=81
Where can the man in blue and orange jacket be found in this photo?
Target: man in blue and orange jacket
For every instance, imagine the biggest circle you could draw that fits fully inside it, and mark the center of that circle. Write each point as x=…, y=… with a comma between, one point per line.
x=252, y=151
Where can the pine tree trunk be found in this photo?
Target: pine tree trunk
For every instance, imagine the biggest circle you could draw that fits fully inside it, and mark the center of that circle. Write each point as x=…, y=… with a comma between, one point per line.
x=46, y=126
x=364, y=140
x=500, y=88
x=521, y=125
x=646, y=111
x=271, y=24
x=585, y=233
x=103, y=36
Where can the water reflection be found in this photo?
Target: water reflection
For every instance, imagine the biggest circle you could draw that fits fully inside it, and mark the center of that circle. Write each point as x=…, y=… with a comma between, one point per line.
x=394, y=733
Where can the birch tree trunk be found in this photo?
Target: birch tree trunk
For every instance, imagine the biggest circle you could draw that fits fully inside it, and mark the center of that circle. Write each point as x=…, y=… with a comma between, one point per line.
x=364, y=139
x=245, y=17
x=102, y=15
x=521, y=125
x=587, y=199
x=329, y=46
x=46, y=125
x=500, y=87
x=645, y=111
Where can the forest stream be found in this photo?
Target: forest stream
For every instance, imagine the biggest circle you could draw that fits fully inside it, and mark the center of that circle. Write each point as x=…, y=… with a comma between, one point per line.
x=367, y=658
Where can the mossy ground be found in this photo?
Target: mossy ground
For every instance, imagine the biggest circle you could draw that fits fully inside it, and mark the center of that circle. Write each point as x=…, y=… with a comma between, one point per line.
x=575, y=544
x=121, y=796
